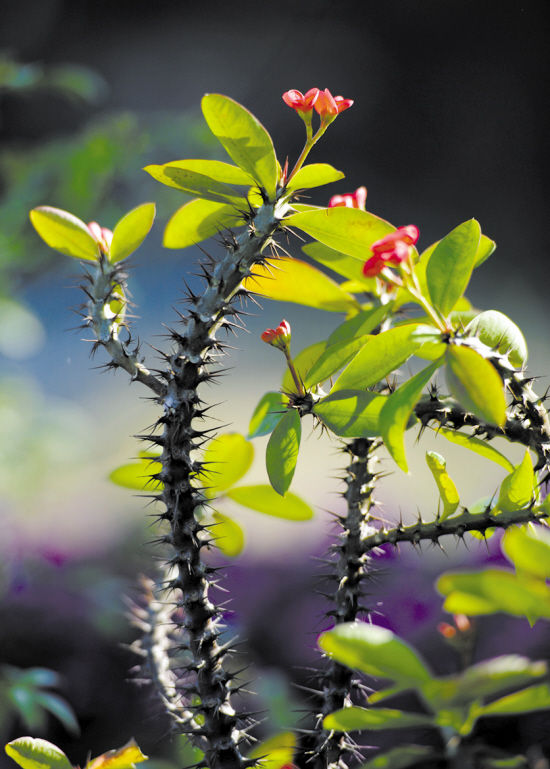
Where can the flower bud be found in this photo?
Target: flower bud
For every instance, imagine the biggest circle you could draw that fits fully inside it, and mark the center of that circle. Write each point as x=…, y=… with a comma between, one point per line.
x=278, y=337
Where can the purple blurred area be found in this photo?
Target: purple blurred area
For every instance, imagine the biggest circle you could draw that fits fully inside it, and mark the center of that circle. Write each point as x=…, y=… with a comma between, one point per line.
x=447, y=124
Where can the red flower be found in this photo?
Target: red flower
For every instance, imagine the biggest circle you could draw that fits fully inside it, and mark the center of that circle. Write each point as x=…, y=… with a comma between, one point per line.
x=355, y=199
x=328, y=105
x=277, y=337
x=393, y=249
x=299, y=101
x=102, y=236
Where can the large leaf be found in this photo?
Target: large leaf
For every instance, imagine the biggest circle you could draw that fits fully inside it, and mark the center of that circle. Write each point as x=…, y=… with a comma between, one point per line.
x=276, y=752
x=214, y=169
x=125, y=757
x=356, y=719
x=282, y=451
x=302, y=363
x=34, y=753
x=475, y=383
x=496, y=330
x=197, y=220
x=360, y=324
x=137, y=476
x=526, y=701
x=350, y=267
x=445, y=484
x=451, y=263
x=265, y=500
x=381, y=355
x=402, y=758
x=351, y=413
x=314, y=175
x=375, y=651
x=394, y=416
x=291, y=280
x=227, y=535
x=333, y=358
x=477, y=446
x=528, y=547
x=194, y=183
x=348, y=230
x=244, y=138
x=64, y=232
x=268, y=412
x=517, y=489
x=225, y=461
x=131, y=231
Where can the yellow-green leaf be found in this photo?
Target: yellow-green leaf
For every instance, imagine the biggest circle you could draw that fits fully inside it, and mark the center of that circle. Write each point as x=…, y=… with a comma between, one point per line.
x=356, y=719
x=476, y=445
x=302, y=363
x=179, y=176
x=351, y=413
x=275, y=752
x=475, y=383
x=122, y=758
x=445, y=484
x=282, y=451
x=517, y=490
x=227, y=535
x=131, y=231
x=225, y=461
x=314, y=175
x=497, y=331
x=270, y=409
x=528, y=547
x=333, y=358
x=137, y=476
x=64, y=232
x=350, y=267
x=197, y=220
x=450, y=265
x=264, y=499
x=35, y=753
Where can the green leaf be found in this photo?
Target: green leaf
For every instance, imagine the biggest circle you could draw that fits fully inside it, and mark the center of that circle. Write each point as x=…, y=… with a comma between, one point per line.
x=282, y=451
x=451, y=263
x=34, y=753
x=225, y=461
x=348, y=230
x=484, y=250
x=131, y=231
x=375, y=651
x=214, y=169
x=137, y=475
x=268, y=412
x=264, y=499
x=381, y=355
x=476, y=445
x=445, y=484
x=244, y=138
x=402, y=758
x=333, y=358
x=227, y=535
x=475, y=384
x=351, y=413
x=276, y=752
x=64, y=232
x=360, y=324
x=58, y=708
x=355, y=719
x=517, y=489
x=350, y=267
x=497, y=331
x=526, y=701
x=314, y=175
x=198, y=220
x=181, y=176
x=397, y=410
x=528, y=547
x=121, y=758
x=291, y=280
x=302, y=363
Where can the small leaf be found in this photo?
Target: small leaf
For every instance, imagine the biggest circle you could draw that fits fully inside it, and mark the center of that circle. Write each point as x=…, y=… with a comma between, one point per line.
x=265, y=500
x=476, y=445
x=276, y=752
x=198, y=220
x=34, y=753
x=131, y=231
x=244, y=138
x=351, y=413
x=348, y=230
x=355, y=719
x=360, y=324
x=445, y=484
x=268, y=412
x=381, y=355
x=497, y=331
x=350, y=267
x=58, y=708
x=517, y=489
x=282, y=451
x=137, y=475
x=314, y=175
x=402, y=758
x=528, y=547
x=526, y=701
x=397, y=410
x=484, y=250
x=375, y=651
x=333, y=358
x=290, y=280
x=225, y=461
x=122, y=758
x=475, y=384
x=227, y=535
x=193, y=183
x=302, y=363
x=64, y=232
x=451, y=263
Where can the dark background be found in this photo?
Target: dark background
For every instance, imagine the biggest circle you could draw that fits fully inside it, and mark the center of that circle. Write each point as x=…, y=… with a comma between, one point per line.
x=449, y=122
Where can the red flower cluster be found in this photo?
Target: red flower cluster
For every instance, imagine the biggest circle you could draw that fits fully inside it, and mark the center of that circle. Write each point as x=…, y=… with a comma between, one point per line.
x=393, y=249
x=102, y=236
x=278, y=337
x=355, y=199
x=324, y=102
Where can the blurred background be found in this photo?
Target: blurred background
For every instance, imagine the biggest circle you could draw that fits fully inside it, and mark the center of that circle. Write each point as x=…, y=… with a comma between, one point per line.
x=447, y=124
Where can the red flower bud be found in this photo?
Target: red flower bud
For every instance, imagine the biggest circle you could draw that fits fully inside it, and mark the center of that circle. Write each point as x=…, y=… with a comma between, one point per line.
x=299, y=101
x=355, y=199
x=329, y=106
x=393, y=249
x=277, y=337
x=102, y=236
